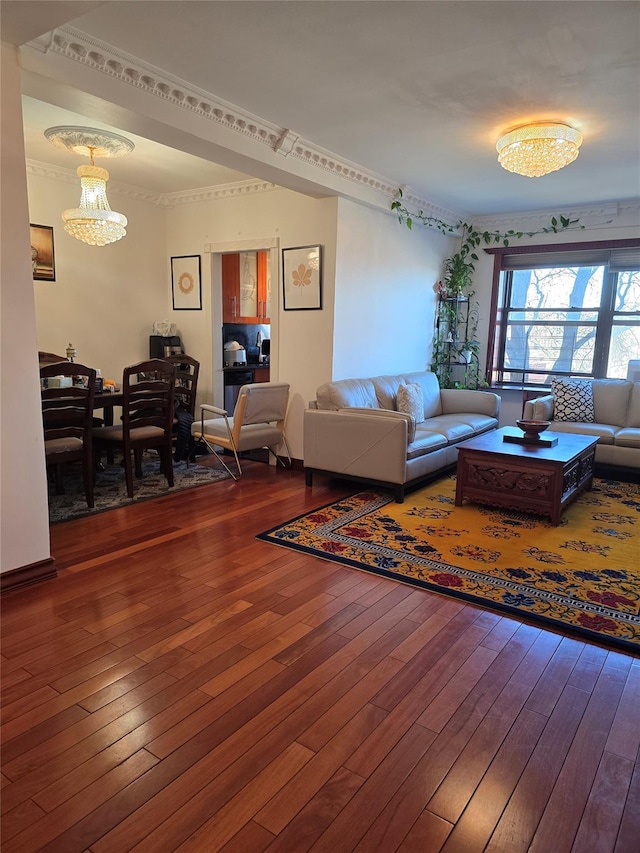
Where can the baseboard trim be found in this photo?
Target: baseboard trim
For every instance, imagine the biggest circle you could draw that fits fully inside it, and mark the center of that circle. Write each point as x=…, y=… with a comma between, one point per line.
x=26, y=575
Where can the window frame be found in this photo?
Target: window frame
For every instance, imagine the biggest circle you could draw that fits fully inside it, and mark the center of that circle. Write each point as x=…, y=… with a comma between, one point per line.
x=607, y=315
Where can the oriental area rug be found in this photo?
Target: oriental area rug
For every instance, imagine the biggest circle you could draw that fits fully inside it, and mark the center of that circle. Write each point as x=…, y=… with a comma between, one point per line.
x=110, y=489
x=582, y=576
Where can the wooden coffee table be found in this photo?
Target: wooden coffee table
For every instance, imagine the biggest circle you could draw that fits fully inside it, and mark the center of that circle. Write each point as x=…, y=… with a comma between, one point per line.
x=526, y=477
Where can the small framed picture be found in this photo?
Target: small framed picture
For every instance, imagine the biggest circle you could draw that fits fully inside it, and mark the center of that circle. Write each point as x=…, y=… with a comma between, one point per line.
x=42, y=256
x=302, y=278
x=186, y=286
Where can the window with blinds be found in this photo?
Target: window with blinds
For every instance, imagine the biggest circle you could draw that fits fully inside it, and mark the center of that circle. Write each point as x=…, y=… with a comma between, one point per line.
x=574, y=312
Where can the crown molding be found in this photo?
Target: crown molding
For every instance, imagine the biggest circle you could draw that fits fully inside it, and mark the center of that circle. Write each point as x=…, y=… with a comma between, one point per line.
x=67, y=176
x=88, y=51
x=222, y=191
x=590, y=216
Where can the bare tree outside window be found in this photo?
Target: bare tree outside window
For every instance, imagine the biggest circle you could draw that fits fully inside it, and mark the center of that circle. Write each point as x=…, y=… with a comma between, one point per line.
x=574, y=320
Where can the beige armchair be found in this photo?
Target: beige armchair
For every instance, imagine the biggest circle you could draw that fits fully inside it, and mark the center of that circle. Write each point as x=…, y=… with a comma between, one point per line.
x=257, y=421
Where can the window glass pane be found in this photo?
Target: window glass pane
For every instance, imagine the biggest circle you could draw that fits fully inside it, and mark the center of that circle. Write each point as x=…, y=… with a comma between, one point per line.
x=550, y=348
x=625, y=345
x=570, y=287
x=628, y=291
x=248, y=284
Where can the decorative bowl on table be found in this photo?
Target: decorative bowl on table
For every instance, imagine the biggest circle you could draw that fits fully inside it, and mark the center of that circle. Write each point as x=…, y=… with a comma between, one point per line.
x=532, y=429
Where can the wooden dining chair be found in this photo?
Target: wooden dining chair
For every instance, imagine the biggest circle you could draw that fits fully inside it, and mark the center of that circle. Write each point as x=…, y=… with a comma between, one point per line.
x=45, y=358
x=147, y=418
x=67, y=419
x=187, y=370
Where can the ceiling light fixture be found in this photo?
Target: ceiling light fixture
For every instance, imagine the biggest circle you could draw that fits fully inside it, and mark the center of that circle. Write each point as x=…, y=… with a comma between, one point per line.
x=93, y=221
x=534, y=150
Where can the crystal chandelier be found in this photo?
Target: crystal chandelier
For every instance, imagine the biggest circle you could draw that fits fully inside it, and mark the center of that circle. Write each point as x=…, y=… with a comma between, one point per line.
x=93, y=221
x=534, y=150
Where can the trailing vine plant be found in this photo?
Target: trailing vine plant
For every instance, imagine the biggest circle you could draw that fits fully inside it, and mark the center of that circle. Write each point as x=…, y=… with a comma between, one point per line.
x=472, y=237
x=458, y=273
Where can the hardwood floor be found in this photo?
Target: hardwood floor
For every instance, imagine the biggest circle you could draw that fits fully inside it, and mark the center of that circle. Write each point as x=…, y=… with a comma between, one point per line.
x=182, y=686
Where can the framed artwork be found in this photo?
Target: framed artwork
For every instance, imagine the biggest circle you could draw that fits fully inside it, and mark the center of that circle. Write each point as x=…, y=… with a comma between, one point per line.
x=42, y=257
x=302, y=278
x=186, y=286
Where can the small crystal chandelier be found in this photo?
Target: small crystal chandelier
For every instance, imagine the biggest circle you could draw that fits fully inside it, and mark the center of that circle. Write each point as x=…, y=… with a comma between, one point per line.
x=534, y=150
x=93, y=221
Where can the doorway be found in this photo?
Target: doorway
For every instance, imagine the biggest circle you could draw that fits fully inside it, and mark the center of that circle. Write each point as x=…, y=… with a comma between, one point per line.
x=216, y=250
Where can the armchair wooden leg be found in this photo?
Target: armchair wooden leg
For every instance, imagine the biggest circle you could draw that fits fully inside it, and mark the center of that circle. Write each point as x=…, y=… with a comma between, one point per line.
x=137, y=455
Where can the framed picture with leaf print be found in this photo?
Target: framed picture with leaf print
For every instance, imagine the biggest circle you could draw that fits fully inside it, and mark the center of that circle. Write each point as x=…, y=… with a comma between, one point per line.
x=302, y=278
x=186, y=286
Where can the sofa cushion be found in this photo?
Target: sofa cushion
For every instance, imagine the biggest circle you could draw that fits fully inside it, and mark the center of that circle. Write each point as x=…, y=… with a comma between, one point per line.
x=348, y=392
x=410, y=401
x=430, y=391
x=628, y=437
x=425, y=441
x=633, y=412
x=605, y=432
x=611, y=401
x=573, y=400
x=453, y=427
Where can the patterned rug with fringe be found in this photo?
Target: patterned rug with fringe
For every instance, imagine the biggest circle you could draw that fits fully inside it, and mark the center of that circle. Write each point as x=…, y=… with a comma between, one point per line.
x=582, y=576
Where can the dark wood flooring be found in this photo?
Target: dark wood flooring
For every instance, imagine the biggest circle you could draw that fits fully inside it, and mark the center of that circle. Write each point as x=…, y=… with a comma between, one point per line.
x=182, y=686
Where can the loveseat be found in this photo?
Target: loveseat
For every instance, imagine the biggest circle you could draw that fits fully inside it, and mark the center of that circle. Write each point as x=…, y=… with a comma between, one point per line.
x=353, y=429
x=610, y=409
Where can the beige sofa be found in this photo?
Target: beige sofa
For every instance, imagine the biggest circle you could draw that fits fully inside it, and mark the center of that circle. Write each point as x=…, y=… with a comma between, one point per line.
x=616, y=422
x=353, y=429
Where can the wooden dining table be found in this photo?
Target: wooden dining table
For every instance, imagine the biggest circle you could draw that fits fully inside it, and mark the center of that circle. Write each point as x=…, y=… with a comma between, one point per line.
x=107, y=401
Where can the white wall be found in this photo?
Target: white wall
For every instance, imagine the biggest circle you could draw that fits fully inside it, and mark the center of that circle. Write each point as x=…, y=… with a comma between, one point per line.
x=105, y=298
x=24, y=521
x=385, y=293
x=304, y=345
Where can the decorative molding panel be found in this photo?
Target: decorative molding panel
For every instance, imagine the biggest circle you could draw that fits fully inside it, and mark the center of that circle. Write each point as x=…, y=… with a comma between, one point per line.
x=80, y=47
x=223, y=191
x=591, y=216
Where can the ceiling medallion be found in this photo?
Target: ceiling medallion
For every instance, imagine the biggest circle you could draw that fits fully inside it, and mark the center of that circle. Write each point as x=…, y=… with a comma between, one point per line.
x=87, y=140
x=536, y=149
x=93, y=221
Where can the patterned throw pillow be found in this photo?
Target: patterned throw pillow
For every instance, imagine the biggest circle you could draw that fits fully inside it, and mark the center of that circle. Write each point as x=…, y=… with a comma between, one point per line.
x=410, y=402
x=573, y=400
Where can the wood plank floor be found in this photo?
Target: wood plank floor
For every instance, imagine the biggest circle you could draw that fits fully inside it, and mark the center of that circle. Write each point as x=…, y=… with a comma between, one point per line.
x=182, y=686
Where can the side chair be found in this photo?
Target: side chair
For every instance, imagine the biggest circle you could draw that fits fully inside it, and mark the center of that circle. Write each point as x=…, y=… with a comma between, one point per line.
x=187, y=370
x=67, y=420
x=147, y=418
x=257, y=421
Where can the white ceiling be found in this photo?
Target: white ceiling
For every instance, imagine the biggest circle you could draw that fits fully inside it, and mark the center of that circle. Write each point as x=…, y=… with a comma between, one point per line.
x=417, y=92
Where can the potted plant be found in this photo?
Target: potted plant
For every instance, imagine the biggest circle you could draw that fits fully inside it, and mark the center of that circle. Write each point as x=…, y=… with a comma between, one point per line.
x=468, y=350
x=457, y=275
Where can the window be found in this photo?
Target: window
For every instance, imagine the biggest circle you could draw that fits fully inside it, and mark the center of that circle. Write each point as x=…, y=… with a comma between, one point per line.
x=570, y=312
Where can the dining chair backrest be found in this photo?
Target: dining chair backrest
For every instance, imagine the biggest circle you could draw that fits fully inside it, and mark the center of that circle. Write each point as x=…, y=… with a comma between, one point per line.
x=67, y=420
x=187, y=369
x=50, y=358
x=147, y=395
x=67, y=411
